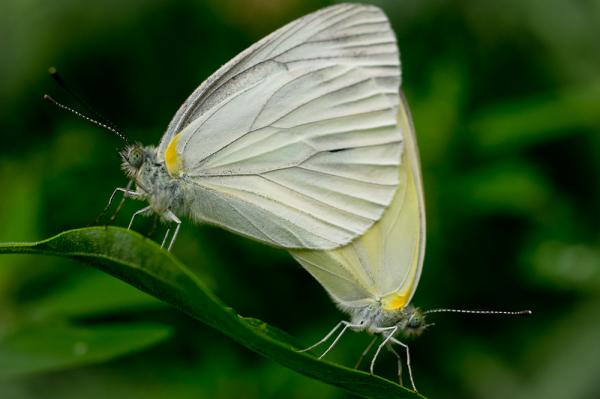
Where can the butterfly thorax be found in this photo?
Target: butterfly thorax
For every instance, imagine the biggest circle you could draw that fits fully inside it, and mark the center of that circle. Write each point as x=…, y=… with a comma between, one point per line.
x=410, y=320
x=152, y=180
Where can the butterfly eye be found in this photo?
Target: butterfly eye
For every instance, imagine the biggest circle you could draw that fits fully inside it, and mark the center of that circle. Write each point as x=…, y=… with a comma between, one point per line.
x=136, y=157
x=415, y=322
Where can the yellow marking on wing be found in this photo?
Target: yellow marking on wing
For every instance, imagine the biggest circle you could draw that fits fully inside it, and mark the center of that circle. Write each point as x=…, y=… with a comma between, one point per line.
x=172, y=159
x=394, y=302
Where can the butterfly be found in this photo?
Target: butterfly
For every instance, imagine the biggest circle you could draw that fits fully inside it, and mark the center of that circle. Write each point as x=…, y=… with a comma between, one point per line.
x=374, y=278
x=293, y=142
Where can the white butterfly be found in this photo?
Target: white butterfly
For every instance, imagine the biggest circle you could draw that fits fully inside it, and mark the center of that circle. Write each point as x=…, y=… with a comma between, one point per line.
x=293, y=142
x=375, y=276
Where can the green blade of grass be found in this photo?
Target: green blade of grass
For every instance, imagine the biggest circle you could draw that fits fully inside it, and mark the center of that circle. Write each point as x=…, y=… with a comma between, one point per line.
x=143, y=264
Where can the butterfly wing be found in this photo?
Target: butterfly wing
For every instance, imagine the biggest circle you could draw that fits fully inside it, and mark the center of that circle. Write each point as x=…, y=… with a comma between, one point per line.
x=385, y=263
x=295, y=139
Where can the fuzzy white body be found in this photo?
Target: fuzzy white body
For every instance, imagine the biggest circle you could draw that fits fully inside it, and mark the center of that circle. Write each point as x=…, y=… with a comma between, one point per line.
x=408, y=320
x=165, y=193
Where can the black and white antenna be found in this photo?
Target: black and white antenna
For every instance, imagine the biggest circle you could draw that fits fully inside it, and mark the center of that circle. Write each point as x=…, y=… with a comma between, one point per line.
x=97, y=120
x=62, y=83
x=87, y=118
x=502, y=312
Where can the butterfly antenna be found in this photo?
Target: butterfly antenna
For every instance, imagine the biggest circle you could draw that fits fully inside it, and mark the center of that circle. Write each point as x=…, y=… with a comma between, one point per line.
x=79, y=99
x=87, y=118
x=520, y=312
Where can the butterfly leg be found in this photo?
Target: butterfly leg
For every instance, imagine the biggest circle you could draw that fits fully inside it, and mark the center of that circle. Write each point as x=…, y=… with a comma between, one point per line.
x=162, y=245
x=364, y=353
x=122, y=202
x=391, y=349
x=110, y=200
x=170, y=217
x=410, y=375
x=145, y=209
x=127, y=192
x=392, y=330
x=347, y=325
x=325, y=338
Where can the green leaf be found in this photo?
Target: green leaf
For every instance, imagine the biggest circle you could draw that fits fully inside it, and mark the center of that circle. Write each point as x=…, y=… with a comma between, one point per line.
x=143, y=264
x=43, y=347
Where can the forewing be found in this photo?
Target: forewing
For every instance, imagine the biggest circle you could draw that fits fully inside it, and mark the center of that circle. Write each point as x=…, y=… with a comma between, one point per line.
x=300, y=129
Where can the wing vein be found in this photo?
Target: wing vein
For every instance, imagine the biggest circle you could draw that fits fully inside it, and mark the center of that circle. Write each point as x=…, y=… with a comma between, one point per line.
x=323, y=202
x=346, y=177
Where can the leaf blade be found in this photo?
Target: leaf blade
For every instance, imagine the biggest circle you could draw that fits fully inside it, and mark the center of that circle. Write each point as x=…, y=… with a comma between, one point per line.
x=143, y=264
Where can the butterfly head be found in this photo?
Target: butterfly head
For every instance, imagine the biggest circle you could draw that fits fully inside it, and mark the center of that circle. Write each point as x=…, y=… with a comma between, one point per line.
x=133, y=157
x=413, y=322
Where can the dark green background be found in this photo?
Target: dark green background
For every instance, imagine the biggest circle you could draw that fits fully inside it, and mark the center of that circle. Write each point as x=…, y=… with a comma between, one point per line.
x=506, y=101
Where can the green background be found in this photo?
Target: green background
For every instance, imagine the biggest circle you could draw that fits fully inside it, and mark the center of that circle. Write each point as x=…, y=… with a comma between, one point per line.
x=506, y=102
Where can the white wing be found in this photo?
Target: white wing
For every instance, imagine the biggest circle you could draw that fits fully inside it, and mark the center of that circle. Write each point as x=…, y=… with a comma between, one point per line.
x=296, y=137
x=384, y=265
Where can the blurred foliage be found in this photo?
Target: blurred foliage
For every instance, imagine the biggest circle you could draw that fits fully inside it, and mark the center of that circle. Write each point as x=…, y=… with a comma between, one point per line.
x=506, y=102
